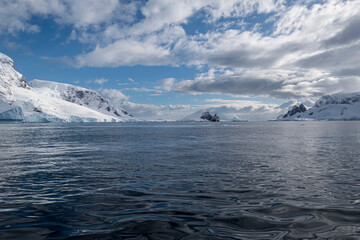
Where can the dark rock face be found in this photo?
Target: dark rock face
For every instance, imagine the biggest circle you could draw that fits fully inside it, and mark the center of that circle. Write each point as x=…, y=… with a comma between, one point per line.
x=22, y=83
x=296, y=109
x=79, y=94
x=37, y=110
x=215, y=118
x=327, y=99
x=88, y=98
x=207, y=116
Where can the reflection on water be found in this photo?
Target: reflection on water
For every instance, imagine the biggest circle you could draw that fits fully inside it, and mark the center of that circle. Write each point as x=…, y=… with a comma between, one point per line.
x=258, y=180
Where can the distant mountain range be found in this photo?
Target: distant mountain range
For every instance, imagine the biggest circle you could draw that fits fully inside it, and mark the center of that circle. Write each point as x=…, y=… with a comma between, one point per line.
x=44, y=101
x=344, y=106
x=240, y=114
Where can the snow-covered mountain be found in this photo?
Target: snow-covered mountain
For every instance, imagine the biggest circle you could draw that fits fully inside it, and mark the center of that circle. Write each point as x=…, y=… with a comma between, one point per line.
x=295, y=110
x=78, y=95
x=345, y=106
x=44, y=101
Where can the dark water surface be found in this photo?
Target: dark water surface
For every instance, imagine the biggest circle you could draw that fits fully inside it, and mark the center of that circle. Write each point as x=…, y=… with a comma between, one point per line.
x=254, y=180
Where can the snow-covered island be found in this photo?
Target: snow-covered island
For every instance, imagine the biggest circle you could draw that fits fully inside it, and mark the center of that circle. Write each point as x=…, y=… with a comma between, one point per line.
x=44, y=101
x=344, y=106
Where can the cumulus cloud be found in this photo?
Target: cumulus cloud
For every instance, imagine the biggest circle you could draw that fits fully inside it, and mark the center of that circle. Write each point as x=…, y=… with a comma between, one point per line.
x=335, y=58
x=152, y=40
x=82, y=13
x=114, y=95
x=101, y=81
x=158, y=112
x=302, y=49
x=126, y=52
x=312, y=51
x=285, y=84
x=349, y=34
x=161, y=13
x=16, y=15
x=167, y=84
x=157, y=91
x=233, y=103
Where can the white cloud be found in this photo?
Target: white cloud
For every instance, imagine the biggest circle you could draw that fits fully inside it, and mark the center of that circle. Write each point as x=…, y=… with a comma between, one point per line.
x=234, y=103
x=302, y=49
x=126, y=52
x=305, y=56
x=101, y=81
x=167, y=84
x=144, y=90
x=114, y=95
x=275, y=83
x=161, y=13
x=16, y=15
x=158, y=112
x=82, y=13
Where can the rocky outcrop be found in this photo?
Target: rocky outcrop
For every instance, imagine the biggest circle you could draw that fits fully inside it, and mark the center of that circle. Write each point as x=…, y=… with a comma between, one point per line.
x=208, y=117
x=296, y=109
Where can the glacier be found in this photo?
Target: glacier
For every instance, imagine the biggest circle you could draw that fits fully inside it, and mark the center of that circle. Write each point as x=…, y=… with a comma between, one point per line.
x=46, y=101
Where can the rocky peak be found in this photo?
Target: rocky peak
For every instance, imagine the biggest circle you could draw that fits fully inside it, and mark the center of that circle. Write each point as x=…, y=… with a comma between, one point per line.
x=6, y=59
x=9, y=77
x=296, y=109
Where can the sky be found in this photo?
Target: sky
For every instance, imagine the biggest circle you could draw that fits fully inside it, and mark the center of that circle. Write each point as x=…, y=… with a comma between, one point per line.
x=162, y=59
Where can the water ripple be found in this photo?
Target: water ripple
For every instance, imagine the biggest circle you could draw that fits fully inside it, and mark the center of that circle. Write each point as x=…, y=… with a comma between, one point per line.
x=180, y=181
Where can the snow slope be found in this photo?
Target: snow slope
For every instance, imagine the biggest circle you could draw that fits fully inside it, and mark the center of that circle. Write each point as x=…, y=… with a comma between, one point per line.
x=80, y=96
x=45, y=101
x=344, y=106
x=9, y=79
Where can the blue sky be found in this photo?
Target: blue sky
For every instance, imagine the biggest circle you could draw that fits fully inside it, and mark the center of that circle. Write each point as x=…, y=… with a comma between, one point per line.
x=163, y=59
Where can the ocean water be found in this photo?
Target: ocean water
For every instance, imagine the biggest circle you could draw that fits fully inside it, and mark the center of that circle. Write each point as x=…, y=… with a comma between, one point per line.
x=253, y=180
